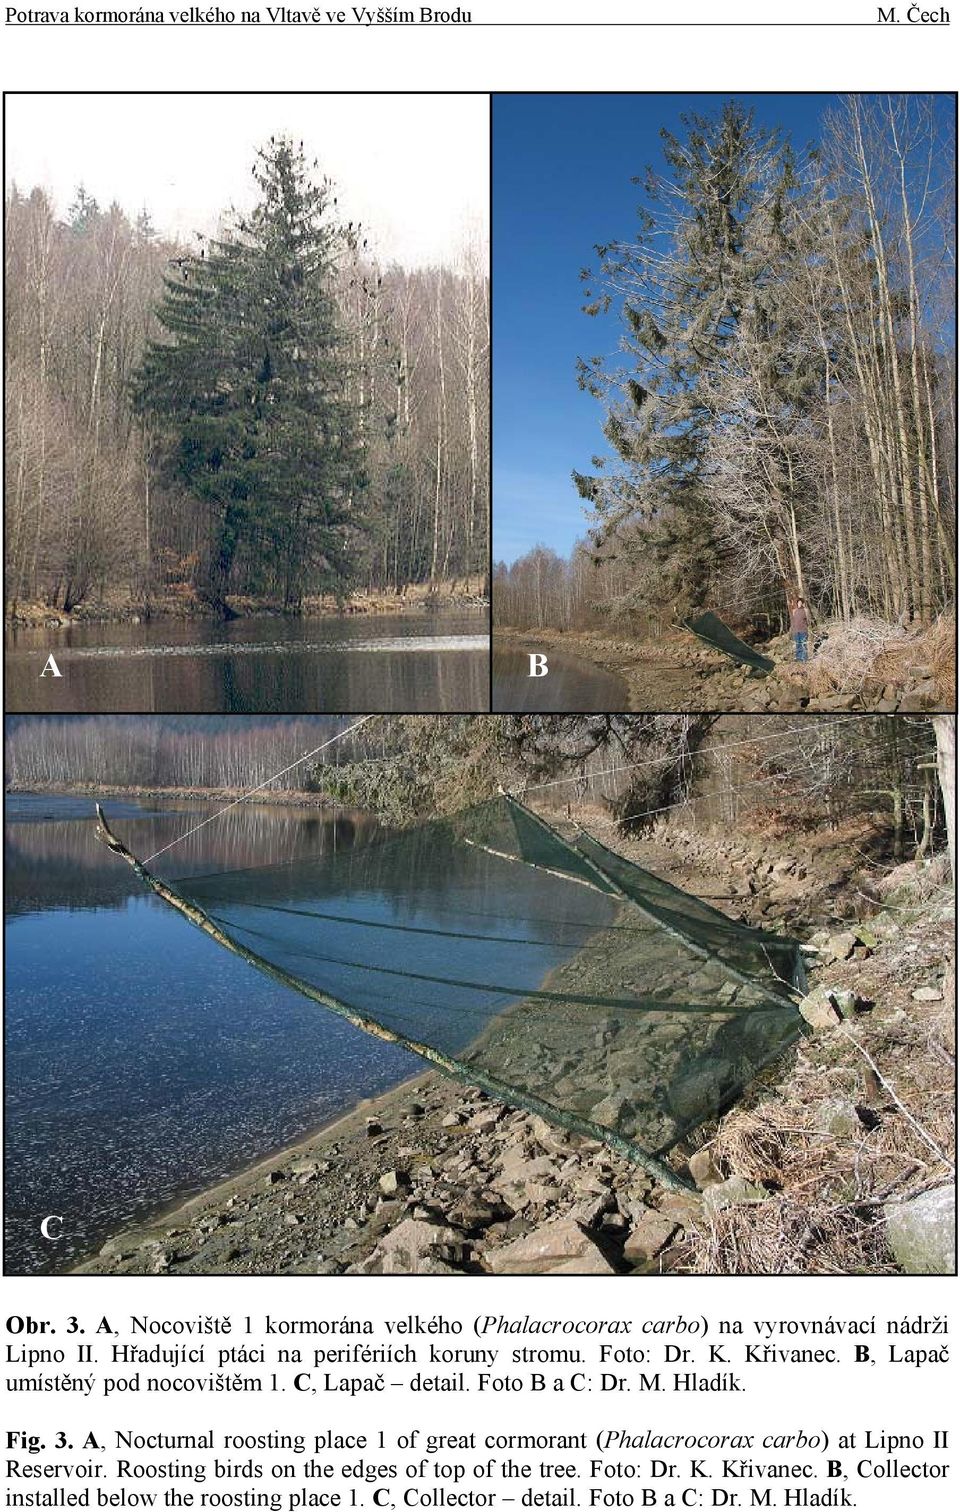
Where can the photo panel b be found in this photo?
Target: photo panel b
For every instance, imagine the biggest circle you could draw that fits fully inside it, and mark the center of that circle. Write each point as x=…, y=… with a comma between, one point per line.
x=724, y=402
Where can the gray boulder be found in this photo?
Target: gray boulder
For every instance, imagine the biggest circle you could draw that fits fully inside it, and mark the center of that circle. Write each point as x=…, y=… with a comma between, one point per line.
x=560, y=1245
x=734, y=1192
x=820, y=1009
x=922, y=1233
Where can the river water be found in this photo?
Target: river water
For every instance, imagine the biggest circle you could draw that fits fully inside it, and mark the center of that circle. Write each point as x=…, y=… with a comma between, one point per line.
x=571, y=684
x=143, y=1061
x=388, y=663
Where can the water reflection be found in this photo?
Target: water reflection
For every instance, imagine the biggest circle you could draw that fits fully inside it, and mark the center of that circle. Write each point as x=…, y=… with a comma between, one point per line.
x=371, y=662
x=52, y=859
x=570, y=684
x=142, y=1060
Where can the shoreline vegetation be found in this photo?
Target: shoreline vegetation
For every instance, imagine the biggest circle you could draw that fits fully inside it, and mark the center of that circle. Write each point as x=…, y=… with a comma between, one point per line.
x=864, y=671
x=183, y=602
x=433, y=1177
x=286, y=797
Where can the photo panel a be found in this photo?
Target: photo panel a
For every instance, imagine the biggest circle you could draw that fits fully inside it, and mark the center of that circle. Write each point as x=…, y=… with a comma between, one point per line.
x=247, y=383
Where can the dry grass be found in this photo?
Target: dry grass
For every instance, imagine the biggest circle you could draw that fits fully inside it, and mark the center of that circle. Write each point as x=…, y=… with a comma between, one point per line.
x=931, y=651
x=827, y=1189
x=871, y=651
x=848, y=657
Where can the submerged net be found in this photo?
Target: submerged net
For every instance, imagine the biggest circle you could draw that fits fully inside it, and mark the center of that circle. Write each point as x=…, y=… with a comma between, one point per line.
x=557, y=975
x=716, y=634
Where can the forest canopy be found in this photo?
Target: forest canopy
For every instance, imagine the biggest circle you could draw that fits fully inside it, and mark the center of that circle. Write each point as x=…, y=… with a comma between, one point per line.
x=267, y=412
x=779, y=418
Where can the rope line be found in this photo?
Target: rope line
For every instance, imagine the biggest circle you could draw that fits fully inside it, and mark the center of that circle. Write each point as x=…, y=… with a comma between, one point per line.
x=260, y=785
x=703, y=797
x=688, y=755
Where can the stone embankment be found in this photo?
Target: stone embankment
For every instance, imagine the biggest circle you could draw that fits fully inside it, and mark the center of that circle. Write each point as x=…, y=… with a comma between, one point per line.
x=435, y=1179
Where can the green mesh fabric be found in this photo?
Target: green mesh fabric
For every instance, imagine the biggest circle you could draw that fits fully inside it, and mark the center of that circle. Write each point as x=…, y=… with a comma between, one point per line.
x=716, y=634
x=562, y=973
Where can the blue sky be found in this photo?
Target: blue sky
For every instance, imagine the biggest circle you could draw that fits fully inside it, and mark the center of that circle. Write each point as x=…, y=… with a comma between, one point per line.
x=562, y=166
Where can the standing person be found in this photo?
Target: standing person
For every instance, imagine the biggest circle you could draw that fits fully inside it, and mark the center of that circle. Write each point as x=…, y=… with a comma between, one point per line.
x=799, y=628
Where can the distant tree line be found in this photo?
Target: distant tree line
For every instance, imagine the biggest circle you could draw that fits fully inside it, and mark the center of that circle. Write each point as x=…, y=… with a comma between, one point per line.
x=266, y=413
x=781, y=417
x=156, y=751
x=701, y=769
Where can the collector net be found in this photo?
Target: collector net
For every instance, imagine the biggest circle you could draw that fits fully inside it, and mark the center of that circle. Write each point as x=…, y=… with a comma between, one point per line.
x=555, y=974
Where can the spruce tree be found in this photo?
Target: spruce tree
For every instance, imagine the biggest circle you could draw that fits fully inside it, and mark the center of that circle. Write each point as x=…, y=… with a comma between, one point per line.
x=248, y=391
x=680, y=287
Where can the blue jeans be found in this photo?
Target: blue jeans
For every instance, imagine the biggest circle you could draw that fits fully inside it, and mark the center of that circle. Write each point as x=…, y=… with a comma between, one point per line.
x=800, y=639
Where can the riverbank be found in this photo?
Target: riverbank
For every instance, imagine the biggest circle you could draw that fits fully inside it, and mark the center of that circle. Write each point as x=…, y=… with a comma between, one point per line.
x=435, y=1178
x=182, y=602
x=285, y=797
x=678, y=674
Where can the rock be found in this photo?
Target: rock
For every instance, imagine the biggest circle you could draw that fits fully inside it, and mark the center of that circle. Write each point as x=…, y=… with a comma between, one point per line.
x=593, y=1264
x=273, y=1177
x=922, y=1232
x=518, y=1172
x=374, y=1127
x=923, y=696
x=393, y=1182
x=846, y=1002
x=736, y=1191
x=591, y=1210
x=544, y=1249
x=485, y=1121
x=838, y=1116
x=840, y=947
x=474, y=1211
x=820, y=1010
x=649, y=1236
x=612, y=1111
x=452, y=1120
x=703, y=1169
x=927, y=995
x=684, y=1207
x=547, y=1135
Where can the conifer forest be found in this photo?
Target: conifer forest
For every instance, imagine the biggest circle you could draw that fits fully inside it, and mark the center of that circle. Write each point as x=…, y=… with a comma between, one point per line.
x=267, y=411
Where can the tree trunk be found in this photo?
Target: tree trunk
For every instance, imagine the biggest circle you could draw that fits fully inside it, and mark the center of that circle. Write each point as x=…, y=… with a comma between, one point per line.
x=945, y=729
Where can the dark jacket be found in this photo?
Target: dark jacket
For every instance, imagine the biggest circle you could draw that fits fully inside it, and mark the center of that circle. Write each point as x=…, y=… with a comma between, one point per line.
x=799, y=623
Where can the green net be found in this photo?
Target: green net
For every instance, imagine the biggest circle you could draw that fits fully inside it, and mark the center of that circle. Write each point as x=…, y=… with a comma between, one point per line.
x=559, y=976
x=716, y=634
